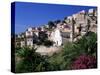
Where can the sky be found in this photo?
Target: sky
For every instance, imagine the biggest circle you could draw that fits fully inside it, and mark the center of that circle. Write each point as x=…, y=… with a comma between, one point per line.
x=36, y=14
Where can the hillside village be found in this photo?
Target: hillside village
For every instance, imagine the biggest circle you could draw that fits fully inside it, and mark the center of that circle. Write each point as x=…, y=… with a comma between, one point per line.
x=58, y=32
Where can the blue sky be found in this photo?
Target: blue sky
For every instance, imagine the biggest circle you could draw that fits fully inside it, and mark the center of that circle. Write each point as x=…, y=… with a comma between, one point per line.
x=37, y=14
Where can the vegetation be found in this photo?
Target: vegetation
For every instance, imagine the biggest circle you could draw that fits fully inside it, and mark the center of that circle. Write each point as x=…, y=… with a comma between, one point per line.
x=81, y=54
x=51, y=24
x=48, y=43
x=42, y=39
x=84, y=62
x=30, y=60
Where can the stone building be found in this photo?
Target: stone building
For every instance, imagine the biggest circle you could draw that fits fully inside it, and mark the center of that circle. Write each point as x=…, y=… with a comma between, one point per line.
x=70, y=29
x=82, y=22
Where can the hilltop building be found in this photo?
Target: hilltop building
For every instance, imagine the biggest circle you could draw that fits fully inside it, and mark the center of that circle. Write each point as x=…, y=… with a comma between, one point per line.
x=70, y=29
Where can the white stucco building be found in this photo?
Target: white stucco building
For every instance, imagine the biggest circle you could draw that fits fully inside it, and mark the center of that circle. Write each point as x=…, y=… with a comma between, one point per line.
x=56, y=37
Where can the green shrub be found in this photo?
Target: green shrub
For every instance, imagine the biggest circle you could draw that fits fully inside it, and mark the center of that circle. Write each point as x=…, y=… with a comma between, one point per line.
x=48, y=43
x=34, y=62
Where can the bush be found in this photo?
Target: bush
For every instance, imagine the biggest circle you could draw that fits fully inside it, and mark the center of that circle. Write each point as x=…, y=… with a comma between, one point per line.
x=76, y=55
x=87, y=45
x=31, y=61
x=84, y=62
x=48, y=43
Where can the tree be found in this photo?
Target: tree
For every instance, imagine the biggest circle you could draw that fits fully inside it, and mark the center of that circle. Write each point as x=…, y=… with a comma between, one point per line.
x=42, y=37
x=29, y=60
x=51, y=24
x=35, y=38
x=48, y=43
x=57, y=21
x=88, y=43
